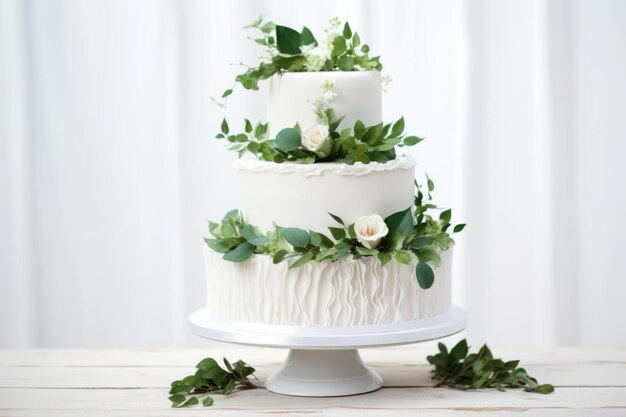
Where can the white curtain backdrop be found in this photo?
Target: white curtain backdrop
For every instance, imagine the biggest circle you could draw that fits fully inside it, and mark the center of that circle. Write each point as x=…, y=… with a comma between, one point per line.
x=108, y=171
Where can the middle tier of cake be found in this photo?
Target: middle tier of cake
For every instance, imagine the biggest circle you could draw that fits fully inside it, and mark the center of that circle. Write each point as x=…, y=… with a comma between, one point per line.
x=302, y=195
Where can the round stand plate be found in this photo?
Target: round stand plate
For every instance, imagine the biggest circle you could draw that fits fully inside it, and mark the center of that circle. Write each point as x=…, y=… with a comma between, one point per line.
x=323, y=361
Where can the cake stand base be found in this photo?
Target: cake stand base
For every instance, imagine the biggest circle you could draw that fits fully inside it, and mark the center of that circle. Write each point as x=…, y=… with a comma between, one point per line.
x=323, y=373
x=324, y=361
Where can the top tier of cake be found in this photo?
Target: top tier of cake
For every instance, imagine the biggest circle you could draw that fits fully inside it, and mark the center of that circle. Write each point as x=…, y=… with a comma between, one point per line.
x=291, y=95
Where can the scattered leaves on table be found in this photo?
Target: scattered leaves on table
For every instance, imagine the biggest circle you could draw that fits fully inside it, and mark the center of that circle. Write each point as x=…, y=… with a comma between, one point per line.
x=458, y=369
x=210, y=377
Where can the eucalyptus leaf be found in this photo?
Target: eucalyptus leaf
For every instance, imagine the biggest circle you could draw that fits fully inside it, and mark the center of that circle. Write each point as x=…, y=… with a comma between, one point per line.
x=425, y=275
x=241, y=253
x=288, y=139
x=296, y=237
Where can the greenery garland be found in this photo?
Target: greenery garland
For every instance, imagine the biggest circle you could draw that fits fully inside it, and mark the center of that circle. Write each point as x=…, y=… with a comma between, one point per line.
x=359, y=143
x=289, y=50
x=413, y=231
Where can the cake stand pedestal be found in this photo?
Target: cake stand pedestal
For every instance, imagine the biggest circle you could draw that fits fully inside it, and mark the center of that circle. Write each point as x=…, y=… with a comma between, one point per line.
x=324, y=361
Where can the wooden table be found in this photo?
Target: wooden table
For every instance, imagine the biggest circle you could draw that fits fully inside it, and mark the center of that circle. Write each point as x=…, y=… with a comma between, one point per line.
x=589, y=382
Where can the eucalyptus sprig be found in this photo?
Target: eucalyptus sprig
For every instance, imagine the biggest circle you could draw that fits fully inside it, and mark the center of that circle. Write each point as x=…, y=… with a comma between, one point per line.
x=359, y=143
x=210, y=377
x=458, y=369
x=288, y=50
x=414, y=237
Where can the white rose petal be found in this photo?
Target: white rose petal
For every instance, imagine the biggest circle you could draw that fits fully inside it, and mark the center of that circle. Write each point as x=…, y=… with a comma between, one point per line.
x=370, y=230
x=315, y=137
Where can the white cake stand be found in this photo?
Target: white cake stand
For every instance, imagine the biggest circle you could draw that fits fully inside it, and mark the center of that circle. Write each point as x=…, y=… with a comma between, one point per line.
x=324, y=361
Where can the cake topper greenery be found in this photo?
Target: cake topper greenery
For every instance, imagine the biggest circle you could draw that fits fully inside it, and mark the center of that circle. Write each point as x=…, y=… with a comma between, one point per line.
x=288, y=50
x=411, y=236
x=321, y=141
x=454, y=368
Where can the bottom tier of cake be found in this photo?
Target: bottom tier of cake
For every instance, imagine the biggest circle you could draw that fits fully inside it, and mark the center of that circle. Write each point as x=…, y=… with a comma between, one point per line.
x=344, y=293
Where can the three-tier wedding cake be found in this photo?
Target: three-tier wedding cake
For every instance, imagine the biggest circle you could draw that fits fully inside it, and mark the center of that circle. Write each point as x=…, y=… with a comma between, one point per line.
x=332, y=229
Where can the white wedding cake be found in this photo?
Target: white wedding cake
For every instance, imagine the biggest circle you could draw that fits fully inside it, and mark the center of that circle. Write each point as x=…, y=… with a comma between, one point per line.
x=273, y=261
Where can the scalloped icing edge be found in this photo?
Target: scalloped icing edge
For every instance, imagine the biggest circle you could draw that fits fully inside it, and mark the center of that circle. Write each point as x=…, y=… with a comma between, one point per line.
x=320, y=168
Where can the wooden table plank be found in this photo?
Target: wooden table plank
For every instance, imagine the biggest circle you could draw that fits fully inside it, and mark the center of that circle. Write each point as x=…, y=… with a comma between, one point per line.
x=339, y=412
x=400, y=374
x=126, y=382
x=262, y=400
x=189, y=357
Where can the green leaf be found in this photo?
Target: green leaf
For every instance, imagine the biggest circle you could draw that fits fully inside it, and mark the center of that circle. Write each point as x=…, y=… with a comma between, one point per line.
x=288, y=41
x=288, y=140
x=231, y=215
x=226, y=93
x=411, y=140
x=221, y=245
x=347, y=32
x=248, y=126
x=425, y=275
x=346, y=63
x=207, y=401
x=304, y=259
x=446, y=215
x=459, y=351
x=206, y=363
x=366, y=251
x=359, y=129
x=336, y=218
x=297, y=238
x=398, y=128
x=356, y=40
x=254, y=236
x=279, y=256
x=384, y=258
x=429, y=254
x=421, y=242
x=191, y=401
x=338, y=232
x=431, y=184
x=241, y=253
x=543, y=389
x=316, y=238
x=400, y=223
x=339, y=46
x=458, y=228
x=225, y=129
x=403, y=257
x=307, y=36
x=176, y=399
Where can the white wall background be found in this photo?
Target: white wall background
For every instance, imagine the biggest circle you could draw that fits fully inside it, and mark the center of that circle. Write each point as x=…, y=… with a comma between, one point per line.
x=108, y=171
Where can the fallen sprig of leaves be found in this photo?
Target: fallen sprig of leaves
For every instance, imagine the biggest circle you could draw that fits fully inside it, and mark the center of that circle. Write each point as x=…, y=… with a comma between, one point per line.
x=453, y=369
x=211, y=378
x=457, y=369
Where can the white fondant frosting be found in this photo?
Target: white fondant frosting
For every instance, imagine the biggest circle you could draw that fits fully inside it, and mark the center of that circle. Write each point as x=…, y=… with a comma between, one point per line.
x=344, y=293
x=291, y=95
x=302, y=195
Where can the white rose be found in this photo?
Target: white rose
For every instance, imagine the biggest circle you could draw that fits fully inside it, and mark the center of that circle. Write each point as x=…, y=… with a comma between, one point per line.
x=370, y=230
x=317, y=139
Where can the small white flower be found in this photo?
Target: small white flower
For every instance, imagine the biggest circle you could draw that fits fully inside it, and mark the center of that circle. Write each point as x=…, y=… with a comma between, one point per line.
x=370, y=230
x=315, y=56
x=315, y=137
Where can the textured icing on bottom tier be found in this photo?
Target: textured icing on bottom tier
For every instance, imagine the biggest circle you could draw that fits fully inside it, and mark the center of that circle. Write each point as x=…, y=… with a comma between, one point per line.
x=343, y=293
